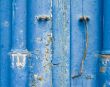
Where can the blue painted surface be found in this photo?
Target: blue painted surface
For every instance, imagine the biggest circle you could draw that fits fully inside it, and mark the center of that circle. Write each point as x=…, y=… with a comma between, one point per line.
x=61, y=43
x=104, y=72
x=76, y=41
x=46, y=41
x=106, y=30
x=94, y=12
x=104, y=63
x=19, y=24
x=18, y=54
x=90, y=68
x=40, y=42
x=5, y=40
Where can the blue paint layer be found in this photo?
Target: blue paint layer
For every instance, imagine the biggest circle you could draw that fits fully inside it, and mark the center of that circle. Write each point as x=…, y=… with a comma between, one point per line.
x=54, y=35
x=19, y=24
x=90, y=69
x=106, y=30
x=19, y=54
x=94, y=12
x=40, y=42
x=61, y=43
x=77, y=38
x=104, y=63
x=5, y=41
x=104, y=72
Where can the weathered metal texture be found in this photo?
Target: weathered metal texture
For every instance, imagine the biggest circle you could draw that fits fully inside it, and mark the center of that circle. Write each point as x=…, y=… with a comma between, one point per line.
x=94, y=12
x=19, y=53
x=40, y=42
x=79, y=8
x=5, y=40
x=104, y=72
x=106, y=30
x=61, y=43
x=47, y=43
x=104, y=63
x=76, y=41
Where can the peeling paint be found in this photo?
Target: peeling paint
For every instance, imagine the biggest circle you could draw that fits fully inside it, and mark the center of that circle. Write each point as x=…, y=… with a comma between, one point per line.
x=38, y=39
x=48, y=38
x=18, y=59
x=102, y=69
x=37, y=81
x=104, y=56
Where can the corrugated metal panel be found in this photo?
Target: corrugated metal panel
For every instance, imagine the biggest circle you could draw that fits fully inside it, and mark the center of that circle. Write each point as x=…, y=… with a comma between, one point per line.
x=40, y=42
x=85, y=43
x=5, y=41
x=18, y=53
x=104, y=62
x=61, y=43
x=53, y=43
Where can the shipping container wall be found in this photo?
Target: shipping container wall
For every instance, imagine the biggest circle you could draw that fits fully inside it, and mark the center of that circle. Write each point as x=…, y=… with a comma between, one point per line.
x=54, y=43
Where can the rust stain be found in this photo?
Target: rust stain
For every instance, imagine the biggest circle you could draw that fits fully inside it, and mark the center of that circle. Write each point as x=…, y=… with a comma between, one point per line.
x=102, y=69
x=49, y=39
x=35, y=81
x=104, y=56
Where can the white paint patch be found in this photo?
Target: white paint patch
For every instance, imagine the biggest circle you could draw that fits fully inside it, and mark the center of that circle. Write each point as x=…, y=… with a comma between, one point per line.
x=18, y=60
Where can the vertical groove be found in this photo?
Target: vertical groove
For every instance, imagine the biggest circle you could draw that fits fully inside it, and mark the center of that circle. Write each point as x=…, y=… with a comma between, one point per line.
x=61, y=43
x=5, y=41
x=19, y=53
x=40, y=42
x=70, y=42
